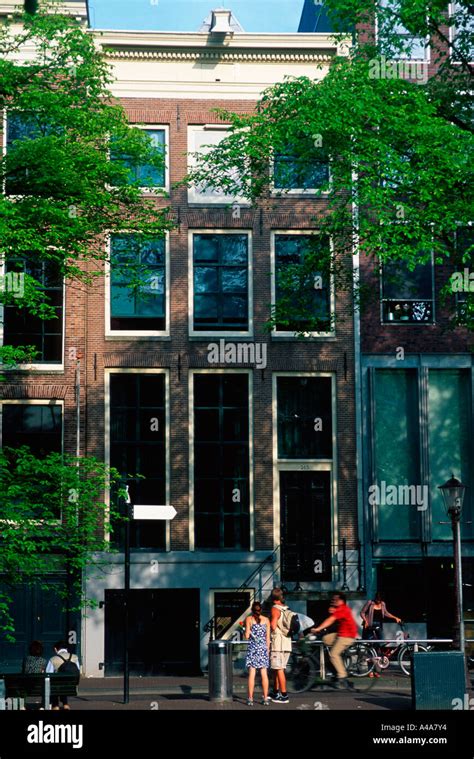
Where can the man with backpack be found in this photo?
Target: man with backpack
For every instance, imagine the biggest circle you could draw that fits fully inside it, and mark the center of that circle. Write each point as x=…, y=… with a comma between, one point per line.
x=283, y=624
x=65, y=663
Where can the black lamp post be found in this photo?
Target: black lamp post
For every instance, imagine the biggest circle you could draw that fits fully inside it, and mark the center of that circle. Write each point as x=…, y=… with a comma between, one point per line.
x=453, y=492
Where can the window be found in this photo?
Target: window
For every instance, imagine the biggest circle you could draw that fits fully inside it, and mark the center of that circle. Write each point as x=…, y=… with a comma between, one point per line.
x=21, y=177
x=221, y=461
x=396, y=452
x=307, y=171
x=137, y=284
x=147, y=175
x=299, y=291
x=23, y=328
x=462, y=32
x=449, y=407
x=408, y=45
x=201, y=139
x=407, y=296
x=138, y=447
x=220, y=282
x=304, y=408
x=39, y=426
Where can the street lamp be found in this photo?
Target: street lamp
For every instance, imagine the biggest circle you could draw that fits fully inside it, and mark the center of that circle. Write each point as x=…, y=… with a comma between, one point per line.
x=453, y=492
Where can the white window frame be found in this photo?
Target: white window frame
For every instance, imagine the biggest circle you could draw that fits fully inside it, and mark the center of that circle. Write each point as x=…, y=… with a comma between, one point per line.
x=107, y=439
x=35, y=366
x=310, y=465
x=192, y=537
x=119, y=334
x=196, y=198
x=204, y=334
x=158, y=189
x=288, y=334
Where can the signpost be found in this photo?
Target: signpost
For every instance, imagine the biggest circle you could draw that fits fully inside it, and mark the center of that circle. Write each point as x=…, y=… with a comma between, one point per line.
x=135, y=512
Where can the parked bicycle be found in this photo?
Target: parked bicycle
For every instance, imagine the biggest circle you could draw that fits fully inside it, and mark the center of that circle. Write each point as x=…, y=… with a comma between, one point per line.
x=369, y=658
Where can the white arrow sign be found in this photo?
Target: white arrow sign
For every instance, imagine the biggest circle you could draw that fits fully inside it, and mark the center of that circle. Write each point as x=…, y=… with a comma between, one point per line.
x=154, y=512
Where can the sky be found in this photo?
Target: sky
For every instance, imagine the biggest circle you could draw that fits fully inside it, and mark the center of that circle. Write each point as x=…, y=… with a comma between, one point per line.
x=187, y=15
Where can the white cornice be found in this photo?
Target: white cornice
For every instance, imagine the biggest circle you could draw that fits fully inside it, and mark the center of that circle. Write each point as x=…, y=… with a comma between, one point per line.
x=214, y=55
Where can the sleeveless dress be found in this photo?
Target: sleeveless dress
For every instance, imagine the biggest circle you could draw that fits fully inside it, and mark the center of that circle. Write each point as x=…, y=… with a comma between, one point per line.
x=257, y=652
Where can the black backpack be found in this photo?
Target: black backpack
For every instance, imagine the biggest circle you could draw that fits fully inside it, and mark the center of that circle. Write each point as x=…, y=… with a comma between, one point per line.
x=67, y=667
x=294, y=626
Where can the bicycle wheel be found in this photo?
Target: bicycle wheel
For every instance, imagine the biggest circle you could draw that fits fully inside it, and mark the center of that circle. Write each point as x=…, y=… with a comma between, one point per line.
x=405, y=657
x=300, y=673
x=359, y=659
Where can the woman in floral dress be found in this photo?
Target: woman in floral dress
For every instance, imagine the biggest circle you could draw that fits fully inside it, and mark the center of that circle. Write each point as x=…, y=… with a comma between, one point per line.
x=257, y=632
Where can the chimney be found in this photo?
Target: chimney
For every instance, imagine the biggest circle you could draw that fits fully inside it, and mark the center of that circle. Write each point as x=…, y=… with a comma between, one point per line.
x=220, y=23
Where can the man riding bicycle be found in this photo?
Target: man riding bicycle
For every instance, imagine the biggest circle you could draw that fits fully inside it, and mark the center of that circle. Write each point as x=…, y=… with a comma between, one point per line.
x=346, y=633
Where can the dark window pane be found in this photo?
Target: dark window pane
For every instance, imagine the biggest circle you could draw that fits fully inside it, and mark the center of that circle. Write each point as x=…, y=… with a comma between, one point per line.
x=221, y=464
x=304, y=417
x=146, y=174
x=137, y=429
x=37, y=426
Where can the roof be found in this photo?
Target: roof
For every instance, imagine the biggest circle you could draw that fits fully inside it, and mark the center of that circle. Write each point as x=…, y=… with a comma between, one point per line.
x=235, y=25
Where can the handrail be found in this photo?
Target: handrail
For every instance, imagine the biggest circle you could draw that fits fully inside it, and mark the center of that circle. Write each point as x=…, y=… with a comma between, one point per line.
x=210, y=625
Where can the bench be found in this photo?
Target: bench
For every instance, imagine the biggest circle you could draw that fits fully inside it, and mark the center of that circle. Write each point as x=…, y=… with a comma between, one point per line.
x=18, y=686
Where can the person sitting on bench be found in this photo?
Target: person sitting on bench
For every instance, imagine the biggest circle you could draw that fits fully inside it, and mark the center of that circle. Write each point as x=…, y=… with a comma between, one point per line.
x=57, y=663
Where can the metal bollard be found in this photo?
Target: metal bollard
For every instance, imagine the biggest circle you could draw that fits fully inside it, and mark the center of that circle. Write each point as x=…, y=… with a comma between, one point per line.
x=220, y=671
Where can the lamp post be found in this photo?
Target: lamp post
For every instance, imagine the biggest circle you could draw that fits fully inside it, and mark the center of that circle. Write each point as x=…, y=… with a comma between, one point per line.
x=126, y=664
x=453, y=492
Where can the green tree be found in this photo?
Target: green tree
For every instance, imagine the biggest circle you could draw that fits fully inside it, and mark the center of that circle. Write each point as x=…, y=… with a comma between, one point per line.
x=53, y=519
x=399, y=144
x=63, y=193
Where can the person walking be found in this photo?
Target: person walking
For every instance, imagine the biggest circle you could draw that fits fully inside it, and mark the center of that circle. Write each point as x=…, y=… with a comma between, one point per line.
x=61, y=656
x=257, y=632
x=338, y=641
x=34, y=663
x=280, y=649
x=373, y=615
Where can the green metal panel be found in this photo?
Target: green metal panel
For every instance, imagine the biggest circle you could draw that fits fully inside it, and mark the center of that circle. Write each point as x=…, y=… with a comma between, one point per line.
x=437, y=679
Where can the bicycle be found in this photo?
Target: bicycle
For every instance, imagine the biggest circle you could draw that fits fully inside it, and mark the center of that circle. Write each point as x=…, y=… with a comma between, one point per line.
x=369, y=657
x=303, y=669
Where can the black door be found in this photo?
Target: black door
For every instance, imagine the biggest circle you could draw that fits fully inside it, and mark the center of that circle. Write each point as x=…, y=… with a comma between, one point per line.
x=163, y=632
x=38, y=615
x=305, y=501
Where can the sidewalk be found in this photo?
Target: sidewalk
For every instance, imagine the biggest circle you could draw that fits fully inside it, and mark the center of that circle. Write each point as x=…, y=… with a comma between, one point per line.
x=191, y=693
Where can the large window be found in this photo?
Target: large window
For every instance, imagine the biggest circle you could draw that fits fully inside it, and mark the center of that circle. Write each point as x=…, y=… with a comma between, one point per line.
x=407, y=296
x=138, y=447
x=22, y=328
x=221, y=461
x=23, y=177
x=38, y=426
x=307, y=171
x=408, y=46
x=137, y=284
x=147, y=175
x=421, y=435
x=221, y=282
x=302, y=294
x=304, y=417
x=396, y=453
x=201, y=139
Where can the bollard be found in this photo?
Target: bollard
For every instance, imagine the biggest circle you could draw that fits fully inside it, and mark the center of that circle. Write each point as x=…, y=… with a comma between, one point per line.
x=220, y=671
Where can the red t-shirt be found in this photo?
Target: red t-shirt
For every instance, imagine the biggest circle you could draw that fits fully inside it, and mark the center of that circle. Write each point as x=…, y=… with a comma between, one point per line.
x=347, y=627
